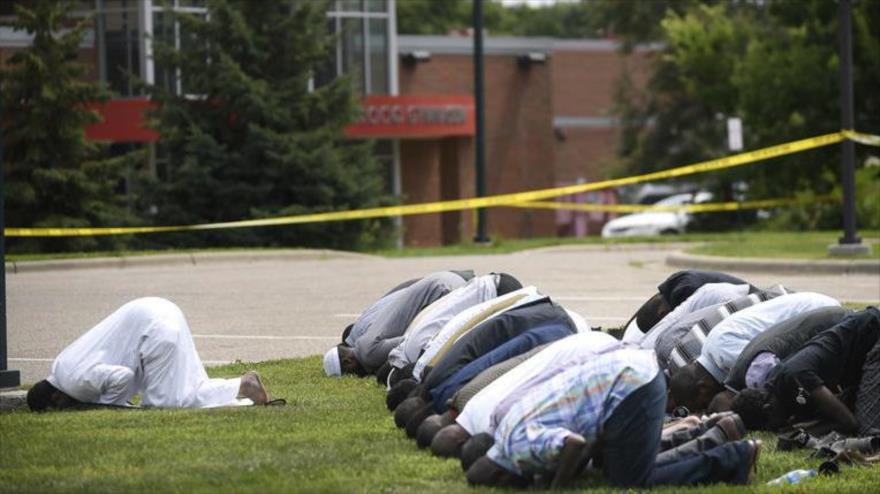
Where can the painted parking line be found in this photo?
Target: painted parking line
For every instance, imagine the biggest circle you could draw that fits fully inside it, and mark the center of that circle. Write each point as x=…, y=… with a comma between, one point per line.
x=262, y=337
x=608, y=318
x=584, y=298
x=207, y=362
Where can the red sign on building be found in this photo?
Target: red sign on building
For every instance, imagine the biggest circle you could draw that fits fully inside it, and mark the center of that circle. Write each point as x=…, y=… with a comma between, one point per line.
x=124, y=120
x=414, y=116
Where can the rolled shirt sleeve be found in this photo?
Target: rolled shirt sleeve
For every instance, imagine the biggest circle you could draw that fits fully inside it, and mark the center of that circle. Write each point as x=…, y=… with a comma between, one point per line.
x=111, y=384
x=532, y=445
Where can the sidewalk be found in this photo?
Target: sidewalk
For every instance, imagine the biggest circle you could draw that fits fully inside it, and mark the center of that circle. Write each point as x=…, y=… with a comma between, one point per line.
x=192, y=259
x=781, y=266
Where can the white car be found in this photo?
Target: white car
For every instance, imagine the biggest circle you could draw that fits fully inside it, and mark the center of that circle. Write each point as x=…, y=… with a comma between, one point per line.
x=656, y=222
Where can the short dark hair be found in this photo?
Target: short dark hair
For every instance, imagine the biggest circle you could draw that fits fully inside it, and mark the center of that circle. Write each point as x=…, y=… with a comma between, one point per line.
x=427, y=430
x=39, y=397
x=683, y=383
x=382, y=373
x=416, y=419
x=399, y=392
x=404, y=411
x=651, y=312
x=753, y=407
x=474, y=448
x=400, y=374
x=448, y=441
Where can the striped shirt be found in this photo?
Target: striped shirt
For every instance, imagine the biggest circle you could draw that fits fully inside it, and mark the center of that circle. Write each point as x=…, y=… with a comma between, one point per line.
x=579, y=400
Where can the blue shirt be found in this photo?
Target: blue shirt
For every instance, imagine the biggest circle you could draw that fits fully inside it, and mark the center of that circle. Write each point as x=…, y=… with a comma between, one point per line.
x=513, y=347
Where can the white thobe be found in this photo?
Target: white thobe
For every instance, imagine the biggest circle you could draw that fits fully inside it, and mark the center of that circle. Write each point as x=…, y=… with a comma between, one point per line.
x=705, y=296
x=476, y=415
x=433, y=317
x=728, y=339
x=145, y=346
x=463, y=322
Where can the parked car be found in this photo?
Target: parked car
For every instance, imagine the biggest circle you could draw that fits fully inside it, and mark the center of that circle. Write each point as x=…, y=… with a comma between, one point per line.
x=656, y=222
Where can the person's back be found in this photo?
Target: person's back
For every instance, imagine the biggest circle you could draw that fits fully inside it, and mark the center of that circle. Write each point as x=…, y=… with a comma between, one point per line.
x=111, y=352
x=476, y=415
x=727, y=340
x=372, y=348
x=465, y=322
x=146, y=347
x=434, y=317
x=578, y=400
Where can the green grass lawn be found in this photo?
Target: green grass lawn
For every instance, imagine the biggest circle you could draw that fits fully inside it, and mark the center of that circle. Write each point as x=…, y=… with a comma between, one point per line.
x=335, y=435
x=803, y=245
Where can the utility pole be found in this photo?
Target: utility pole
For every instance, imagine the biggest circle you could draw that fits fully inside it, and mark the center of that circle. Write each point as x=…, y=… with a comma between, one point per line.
x=8, y=378
x=481, y=237
x=850, y=243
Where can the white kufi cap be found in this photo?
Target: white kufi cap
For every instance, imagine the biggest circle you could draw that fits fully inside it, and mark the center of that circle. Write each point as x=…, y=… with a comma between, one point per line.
x=332, y=366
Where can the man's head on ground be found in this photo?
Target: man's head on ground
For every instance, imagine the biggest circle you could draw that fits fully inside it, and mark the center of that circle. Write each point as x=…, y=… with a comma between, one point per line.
x=399, y=392
x=398, y=375
x=506, y=284
x=406, y=409
x=692, y=387
x=486, y=472
x=416, y=419
x=651, y=312
x=759, y=410
x=474, y=448
x=722, y=401
x=429, y=428
x=341, y=360
x=448, y=441
x=382, y=374
x=43, y=397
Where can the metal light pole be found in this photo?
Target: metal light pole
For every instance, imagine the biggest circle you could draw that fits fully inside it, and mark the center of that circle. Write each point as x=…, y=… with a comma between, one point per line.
x=481, y=237
x=8, y=378
x=850, y=243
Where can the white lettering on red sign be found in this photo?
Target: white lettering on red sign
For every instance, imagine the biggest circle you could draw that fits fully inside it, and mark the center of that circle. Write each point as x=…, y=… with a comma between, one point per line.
x=414, y=115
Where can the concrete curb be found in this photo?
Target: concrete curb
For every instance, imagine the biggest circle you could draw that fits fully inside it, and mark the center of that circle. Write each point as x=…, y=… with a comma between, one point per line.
x=191, y=259
x=785, y=266
x=13, y=400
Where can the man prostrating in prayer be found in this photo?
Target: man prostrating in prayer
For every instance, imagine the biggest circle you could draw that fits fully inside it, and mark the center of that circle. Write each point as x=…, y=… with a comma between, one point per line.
x=144, y=347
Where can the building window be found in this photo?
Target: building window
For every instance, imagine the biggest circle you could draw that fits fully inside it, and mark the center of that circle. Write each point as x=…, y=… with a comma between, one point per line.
x=362, y=49
x=166, y=30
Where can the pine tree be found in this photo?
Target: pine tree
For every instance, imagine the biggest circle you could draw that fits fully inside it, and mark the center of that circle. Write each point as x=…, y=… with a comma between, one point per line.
x=248, y=138
x=54, y=177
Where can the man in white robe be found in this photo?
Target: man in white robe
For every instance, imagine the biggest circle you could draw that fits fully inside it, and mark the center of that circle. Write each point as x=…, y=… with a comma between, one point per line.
x=145, y=347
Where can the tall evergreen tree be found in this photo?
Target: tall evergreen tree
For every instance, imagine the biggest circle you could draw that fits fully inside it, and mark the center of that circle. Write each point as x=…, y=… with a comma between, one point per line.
x=54, y=177
x=248, y=138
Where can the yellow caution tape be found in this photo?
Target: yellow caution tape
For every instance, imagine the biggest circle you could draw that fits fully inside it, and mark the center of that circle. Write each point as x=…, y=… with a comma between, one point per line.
x=867, y=139
x=459, y=204
x=689, y=208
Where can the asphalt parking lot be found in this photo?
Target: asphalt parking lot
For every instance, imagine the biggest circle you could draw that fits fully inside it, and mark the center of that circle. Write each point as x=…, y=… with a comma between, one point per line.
x=253, y=310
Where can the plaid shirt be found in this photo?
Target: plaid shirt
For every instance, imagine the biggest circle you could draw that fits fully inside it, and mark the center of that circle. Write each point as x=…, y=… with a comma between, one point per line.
x=578, y=400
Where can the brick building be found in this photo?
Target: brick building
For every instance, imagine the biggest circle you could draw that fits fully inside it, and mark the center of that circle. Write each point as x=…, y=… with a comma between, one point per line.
x=549, y=122
x=549, y=102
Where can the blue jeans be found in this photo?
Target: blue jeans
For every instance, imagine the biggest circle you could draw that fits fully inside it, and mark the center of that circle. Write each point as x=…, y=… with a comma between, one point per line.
x=631, y=440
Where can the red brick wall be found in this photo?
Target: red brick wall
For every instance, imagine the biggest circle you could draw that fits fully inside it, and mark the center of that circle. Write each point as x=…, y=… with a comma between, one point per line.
x=584, y=83
x=519, y=138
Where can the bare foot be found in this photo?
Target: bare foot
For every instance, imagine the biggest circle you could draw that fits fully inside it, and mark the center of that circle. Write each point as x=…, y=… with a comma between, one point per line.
x=252, y=387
